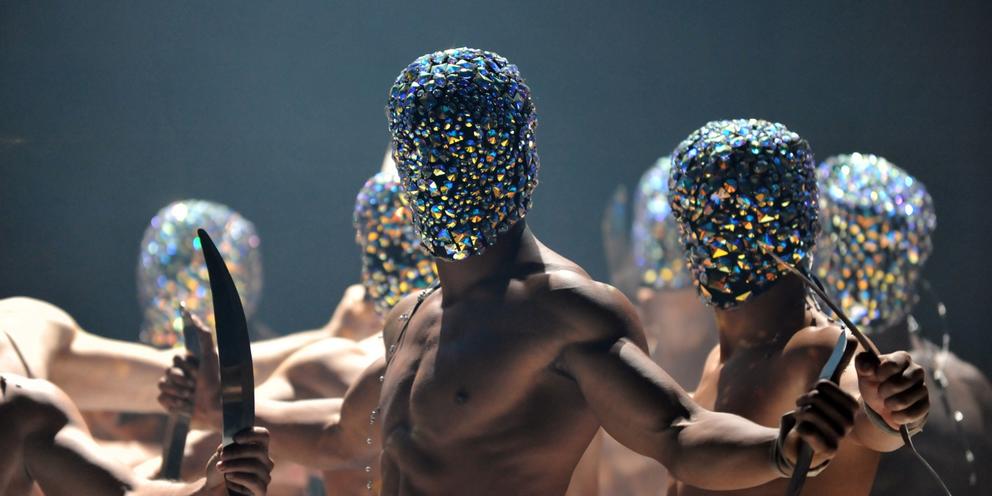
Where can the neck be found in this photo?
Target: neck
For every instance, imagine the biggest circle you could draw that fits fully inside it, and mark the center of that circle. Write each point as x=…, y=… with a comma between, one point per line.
x=459, y=276
x=893, y=338
x=769, y=318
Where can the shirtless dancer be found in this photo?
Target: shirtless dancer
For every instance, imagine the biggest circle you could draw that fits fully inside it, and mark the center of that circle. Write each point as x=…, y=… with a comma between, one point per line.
x=737, y=189
x=679, y=328
x=40, y=340
x=45, y=441
x=496, y=383
x=393, y=265
x=877, y=226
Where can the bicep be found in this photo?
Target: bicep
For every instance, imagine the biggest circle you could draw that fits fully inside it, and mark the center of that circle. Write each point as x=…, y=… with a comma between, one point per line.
x=636, y=401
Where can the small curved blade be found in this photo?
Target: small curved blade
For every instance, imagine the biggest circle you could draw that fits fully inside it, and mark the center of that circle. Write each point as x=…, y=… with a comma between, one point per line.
x=233, y=344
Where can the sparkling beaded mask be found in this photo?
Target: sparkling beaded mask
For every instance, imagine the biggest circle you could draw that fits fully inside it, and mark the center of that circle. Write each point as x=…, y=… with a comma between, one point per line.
x=877, y=223
x=740, y=188
x=171, y=267
x=654, y=234
x=462, y=124
x=394, y=263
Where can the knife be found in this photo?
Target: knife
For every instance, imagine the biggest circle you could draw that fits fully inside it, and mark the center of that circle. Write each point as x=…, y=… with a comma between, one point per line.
x=233, y=345
x=832, y=371
x=178, y=426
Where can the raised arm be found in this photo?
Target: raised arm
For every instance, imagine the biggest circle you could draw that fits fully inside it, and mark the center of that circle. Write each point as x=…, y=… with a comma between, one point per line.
x=645, y=409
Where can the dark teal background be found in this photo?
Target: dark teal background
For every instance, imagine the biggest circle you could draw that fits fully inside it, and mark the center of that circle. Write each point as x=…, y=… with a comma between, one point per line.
x=108, y=111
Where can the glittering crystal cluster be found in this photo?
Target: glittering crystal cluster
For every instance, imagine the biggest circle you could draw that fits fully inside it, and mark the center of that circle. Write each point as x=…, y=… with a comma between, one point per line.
x=877, y=222
x=654, y=234
x=462, y=123
x=394, y=263
x=738, y=189
x=171, y=267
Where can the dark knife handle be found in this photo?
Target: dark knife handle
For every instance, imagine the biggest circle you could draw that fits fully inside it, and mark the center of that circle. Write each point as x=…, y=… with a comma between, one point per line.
x=802, y=468
x=175, y=445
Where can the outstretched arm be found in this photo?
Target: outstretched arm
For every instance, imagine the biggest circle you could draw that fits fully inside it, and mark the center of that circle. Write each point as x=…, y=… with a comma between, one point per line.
x=645, y=409
x=328, y=433
x=99, y=373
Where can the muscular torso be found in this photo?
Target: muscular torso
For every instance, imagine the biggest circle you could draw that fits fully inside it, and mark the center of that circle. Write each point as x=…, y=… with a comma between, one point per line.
x=472, y=401
x=761, y=384
x=969, y=393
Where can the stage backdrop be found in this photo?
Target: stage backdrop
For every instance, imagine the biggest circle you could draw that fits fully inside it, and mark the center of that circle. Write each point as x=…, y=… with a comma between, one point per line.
x=110, y=110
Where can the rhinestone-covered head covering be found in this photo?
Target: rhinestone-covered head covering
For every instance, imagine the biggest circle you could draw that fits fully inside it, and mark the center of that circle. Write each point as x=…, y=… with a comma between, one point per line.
x=171, y=267
x=462, y=123
x=739, y=188
x=394, y=263
x=654, y=234
x=877, y=223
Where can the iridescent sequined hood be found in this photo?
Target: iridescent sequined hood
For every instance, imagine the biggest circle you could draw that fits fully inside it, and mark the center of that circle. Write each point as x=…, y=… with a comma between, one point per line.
x=877, y=223
x=739, y=188
x=462, y=124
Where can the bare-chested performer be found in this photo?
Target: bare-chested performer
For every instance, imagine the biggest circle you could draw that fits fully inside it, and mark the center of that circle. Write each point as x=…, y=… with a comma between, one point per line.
x=393, y=265
x=45, y=441
x=648, y=261
x=740, y=189
x=496, y=383
x=877, y=225
x=40, y=340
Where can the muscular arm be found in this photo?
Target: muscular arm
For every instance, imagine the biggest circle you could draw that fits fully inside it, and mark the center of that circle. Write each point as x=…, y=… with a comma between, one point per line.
x=269, y=353
x=644, y=409
x=108, y=374
x=323, y=369
x=58, y=453
x=325, y=434
x=72, y=451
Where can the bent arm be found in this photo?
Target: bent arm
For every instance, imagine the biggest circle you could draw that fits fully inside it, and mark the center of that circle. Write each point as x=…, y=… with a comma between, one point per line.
x=267, y=354
x=646, y=410
x=70, y=463
x=326, y=434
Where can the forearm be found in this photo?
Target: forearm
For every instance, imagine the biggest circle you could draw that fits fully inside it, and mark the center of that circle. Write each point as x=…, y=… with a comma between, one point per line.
x=719, y=452
x=299, y=429
x=111, y=375
x=646, y=410
x=164, y=488
x=268, y=354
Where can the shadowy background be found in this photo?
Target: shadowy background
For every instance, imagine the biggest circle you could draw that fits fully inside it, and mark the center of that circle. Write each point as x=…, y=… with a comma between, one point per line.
x=109, y=111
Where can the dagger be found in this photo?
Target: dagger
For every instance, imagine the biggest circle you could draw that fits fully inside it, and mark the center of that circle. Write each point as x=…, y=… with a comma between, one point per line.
x=178, y=427
x=233, y=345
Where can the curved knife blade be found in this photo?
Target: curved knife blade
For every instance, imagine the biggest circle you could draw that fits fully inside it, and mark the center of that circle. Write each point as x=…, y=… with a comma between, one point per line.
x=233, y=345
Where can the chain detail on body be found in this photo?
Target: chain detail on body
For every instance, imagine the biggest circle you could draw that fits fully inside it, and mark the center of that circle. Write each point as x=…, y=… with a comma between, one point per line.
x=390, y=352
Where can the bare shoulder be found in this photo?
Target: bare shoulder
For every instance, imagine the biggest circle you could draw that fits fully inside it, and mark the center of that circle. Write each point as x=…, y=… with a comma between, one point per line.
x=39, y=309
x=585, y=310
x=21, y=315
x=35, y=404
x=970, y=376
x=810, y=347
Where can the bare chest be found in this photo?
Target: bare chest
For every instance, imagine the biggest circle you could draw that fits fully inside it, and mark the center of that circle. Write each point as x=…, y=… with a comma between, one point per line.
x=460, y=371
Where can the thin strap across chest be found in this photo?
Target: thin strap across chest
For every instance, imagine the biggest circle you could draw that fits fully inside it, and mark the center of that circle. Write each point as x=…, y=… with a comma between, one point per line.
x=406, y=317
x=20, y=356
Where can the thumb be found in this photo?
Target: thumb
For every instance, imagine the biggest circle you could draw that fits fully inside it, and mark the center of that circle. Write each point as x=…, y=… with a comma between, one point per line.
x=866, y=364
